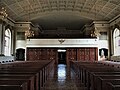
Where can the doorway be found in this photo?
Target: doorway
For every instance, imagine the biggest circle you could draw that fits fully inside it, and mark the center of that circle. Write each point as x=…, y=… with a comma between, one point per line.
x=61, y=56
x=103, y=53
x=20, y=54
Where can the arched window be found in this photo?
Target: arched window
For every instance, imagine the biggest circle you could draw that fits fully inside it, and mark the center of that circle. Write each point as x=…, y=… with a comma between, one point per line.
x=7, y=50
x=116, y=42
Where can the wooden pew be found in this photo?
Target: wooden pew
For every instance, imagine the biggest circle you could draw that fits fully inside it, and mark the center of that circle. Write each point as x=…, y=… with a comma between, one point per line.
x=100, y=81
x=85, y=68
x=113, y=85
x=13, y=85
x=94, y=69
x=28, y=79
x=20, y=72
x=110, y=63
x=39, y=69
x=95, y=75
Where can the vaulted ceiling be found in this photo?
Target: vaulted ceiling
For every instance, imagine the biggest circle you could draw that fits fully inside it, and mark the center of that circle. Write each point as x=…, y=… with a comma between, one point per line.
x=72, y=14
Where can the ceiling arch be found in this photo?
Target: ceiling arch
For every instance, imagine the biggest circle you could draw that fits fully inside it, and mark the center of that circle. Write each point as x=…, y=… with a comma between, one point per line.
x=37, y=10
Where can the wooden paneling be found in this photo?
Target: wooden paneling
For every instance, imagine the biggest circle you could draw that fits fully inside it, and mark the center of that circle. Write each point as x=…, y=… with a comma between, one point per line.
x=80, y=54
x=87, y=54
x=30, y=54
x=93, y=54
x=71, y=54
x=74, y=54
x=41, y=54
x=52, y=54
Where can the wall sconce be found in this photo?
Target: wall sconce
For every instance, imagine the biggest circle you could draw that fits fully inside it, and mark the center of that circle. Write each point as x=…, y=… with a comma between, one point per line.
x=61, y=40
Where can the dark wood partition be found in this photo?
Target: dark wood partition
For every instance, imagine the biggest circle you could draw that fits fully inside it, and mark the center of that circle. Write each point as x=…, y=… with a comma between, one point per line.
x=71, y=54
x=87, y=54
x=41, y=54
x=74, y=54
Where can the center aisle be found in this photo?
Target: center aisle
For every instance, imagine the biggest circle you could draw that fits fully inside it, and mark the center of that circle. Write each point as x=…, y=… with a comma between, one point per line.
x=63, y=78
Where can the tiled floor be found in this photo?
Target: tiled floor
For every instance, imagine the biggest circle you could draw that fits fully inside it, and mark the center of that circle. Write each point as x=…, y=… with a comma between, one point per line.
x=63, y=78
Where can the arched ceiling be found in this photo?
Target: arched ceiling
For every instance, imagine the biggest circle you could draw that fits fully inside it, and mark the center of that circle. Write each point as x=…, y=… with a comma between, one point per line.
x=61, y=13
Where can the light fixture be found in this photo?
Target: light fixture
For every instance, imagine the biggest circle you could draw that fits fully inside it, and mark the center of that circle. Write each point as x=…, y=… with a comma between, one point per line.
x=3, y=13
x=61, y=40
x=93, y=34
x=29, y=32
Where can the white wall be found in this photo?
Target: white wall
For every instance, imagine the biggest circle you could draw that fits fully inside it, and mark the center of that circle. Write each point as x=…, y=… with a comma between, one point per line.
x=103, y=44
x=21, y=44
x=66, y=43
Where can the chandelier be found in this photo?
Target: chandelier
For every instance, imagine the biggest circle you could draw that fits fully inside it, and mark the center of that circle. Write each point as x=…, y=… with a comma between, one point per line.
x=93, y=34
x=29, y=33
x=3, y=13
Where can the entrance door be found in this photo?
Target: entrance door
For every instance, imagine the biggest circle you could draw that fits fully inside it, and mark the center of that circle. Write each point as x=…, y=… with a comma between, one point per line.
x=62, y=57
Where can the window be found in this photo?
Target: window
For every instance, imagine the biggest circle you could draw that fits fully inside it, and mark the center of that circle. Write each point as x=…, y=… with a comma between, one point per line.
x=116, y=38
x=20, y=35
x=7, y=42
x=103, y=36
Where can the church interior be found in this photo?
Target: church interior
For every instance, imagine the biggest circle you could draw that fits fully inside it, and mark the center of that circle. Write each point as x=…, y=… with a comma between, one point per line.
x=59, y=44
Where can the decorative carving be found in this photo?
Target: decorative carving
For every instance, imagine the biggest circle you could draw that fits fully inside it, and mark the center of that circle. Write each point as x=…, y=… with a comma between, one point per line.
x=61, y=40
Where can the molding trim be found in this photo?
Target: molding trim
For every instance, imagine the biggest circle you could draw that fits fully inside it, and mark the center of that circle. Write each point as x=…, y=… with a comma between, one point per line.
x=115, y=18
